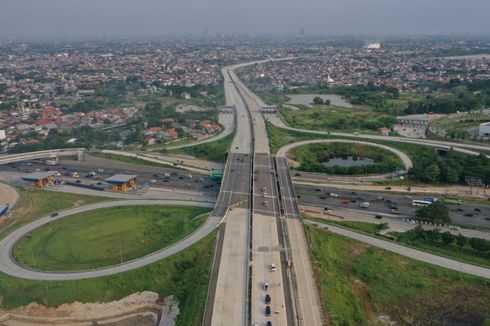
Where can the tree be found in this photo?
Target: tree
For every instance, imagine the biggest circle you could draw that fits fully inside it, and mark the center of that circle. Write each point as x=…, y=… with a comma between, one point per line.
x=431, y=173
x=435, y=212
x=479, y=244
x=317, y=100
x=433, y=235
x=461, y=240
x=447, y=238
x=327, y=102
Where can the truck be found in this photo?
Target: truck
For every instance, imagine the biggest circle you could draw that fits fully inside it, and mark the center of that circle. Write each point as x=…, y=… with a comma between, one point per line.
x=364, y=205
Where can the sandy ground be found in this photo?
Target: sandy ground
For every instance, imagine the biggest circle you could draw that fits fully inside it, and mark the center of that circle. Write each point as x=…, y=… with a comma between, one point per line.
x=142, y=308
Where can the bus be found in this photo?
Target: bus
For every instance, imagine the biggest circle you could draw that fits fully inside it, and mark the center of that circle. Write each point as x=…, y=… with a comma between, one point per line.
x=420, y=202
x=455, y=201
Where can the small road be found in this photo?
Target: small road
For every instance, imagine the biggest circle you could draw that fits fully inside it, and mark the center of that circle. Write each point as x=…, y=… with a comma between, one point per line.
x=10, y=267
x=408, y=252
x=469, y=149
x=407, y=162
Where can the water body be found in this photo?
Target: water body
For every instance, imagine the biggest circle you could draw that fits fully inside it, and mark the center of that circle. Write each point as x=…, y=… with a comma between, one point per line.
x=307, y=99
x=348, y=161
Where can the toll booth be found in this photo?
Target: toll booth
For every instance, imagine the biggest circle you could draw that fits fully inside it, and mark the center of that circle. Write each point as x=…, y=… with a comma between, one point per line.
x=122, y=181
x=39, y=179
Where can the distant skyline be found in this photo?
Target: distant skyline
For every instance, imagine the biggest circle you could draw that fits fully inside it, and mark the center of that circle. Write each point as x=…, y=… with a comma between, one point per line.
x=99, y=18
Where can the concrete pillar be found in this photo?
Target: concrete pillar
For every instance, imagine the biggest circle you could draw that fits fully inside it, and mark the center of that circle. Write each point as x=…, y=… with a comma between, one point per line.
x=80, y=155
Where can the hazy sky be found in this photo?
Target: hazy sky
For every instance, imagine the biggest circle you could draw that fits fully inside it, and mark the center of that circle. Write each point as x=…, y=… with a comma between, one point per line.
x=27, y=18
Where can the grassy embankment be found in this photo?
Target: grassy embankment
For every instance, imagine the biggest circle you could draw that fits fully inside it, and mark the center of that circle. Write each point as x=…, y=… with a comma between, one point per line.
x=411, y=238
x=214, y=151
x=360, y=284
x=127, y=159
x=106, y=236
x=34, y=203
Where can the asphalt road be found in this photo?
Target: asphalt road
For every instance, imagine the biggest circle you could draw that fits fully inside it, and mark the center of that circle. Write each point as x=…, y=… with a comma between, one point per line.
x=320, y=196
x=154, y=176
x=307, y=299
x=8, y=266
x=407, y=162
x=459, y=147
x=409, y=252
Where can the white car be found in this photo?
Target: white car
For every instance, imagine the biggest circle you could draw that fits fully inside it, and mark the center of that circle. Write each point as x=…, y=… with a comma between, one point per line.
x=273, y=267
x=266, y=286
x=56, y=174
x=333, y=194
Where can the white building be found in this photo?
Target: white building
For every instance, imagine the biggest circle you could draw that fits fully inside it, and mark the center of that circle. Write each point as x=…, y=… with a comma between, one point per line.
x=484, y=129
x=374, y=46
x=2, y=135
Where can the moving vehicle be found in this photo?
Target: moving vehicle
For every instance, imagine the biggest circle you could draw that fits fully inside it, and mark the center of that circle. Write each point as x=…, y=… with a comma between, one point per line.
x=266, y=286
x=378, y=216
x=4, y=209
x=364, y=205
x=268, y=311
x=455, y=201
x=54, y=214
x=430, y=199
x=267, y=299
x=50, y=162
x=266, y=203
x=273, y=267
x=417, y=202
x=395, y=211
x=333, y=194
x=269, y=323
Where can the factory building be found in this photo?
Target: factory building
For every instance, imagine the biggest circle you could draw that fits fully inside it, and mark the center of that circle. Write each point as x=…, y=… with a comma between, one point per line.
x=484, y=129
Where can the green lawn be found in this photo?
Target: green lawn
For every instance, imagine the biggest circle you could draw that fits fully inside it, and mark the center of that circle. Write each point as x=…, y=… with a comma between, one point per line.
x=213, y=151
x=36, y=203
x=185, y=275
x=359, y=283
x=312, y=156
x=103, y=237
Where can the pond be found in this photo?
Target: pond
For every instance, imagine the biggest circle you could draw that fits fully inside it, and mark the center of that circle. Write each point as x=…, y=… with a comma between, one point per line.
x=307, y=99
x=348, y=161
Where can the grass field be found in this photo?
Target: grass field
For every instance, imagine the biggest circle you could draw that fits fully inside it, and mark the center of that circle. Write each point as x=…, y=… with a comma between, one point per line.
x=37, y=203
x=364, y=227
x=312, y=156
x=213, y=151
x=185, y=275
x=105, y=237
x=359, y=285
x=338, y=119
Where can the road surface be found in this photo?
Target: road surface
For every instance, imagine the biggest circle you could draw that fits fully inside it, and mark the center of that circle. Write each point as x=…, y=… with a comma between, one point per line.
x=8, y=266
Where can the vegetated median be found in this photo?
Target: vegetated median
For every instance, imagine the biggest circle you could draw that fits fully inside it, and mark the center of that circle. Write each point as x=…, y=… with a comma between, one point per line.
x=361, y=158
x=106, y=236
x=127, y=159
x=364, y=285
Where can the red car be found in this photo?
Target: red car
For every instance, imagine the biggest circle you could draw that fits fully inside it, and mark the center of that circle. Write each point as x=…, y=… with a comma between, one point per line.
x=346, y=202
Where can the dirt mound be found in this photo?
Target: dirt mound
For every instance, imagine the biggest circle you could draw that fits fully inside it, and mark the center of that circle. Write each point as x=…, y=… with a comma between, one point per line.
x=142, y=306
